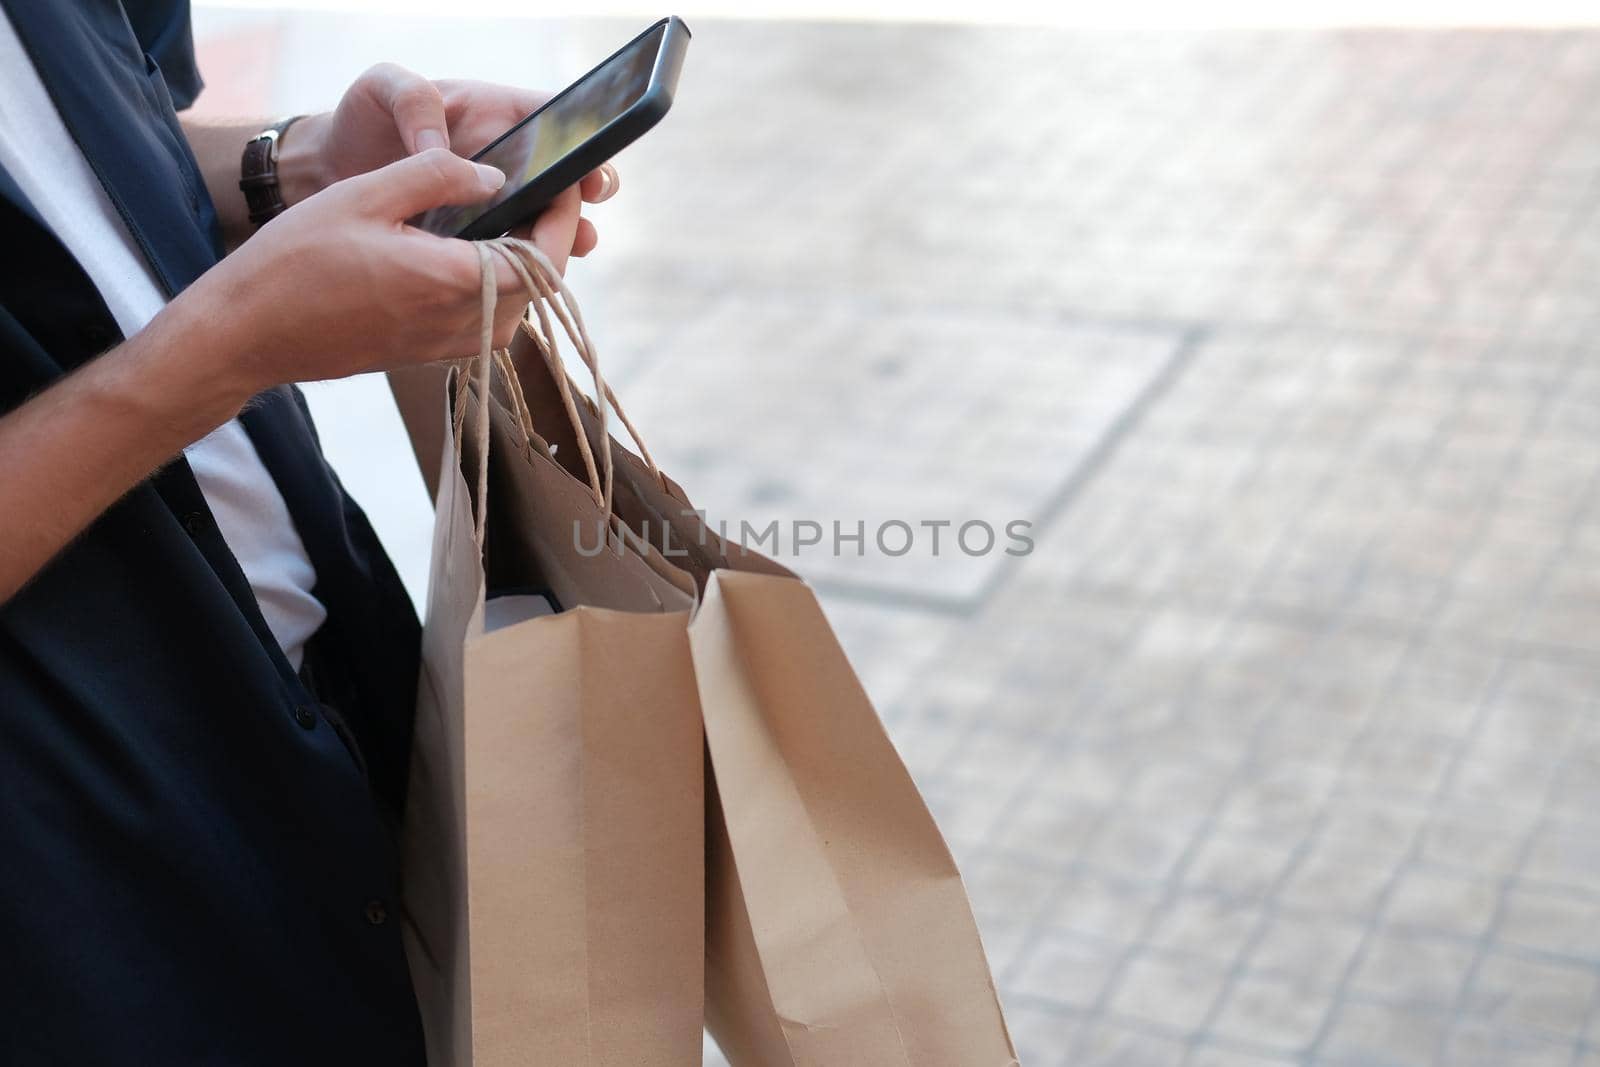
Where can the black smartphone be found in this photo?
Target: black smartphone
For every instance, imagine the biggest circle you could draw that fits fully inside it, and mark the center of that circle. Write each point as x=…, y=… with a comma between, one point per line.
x=578, y=129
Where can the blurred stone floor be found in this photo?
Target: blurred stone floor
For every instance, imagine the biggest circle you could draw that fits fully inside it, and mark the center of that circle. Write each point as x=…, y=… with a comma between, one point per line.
x=1283, y=745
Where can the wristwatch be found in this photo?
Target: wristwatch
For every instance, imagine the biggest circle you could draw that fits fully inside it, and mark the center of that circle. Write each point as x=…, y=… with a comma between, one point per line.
x=258, y=172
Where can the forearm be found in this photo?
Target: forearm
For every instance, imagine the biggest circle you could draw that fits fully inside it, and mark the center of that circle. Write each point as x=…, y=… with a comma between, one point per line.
x=218, y=146
x=73, y=450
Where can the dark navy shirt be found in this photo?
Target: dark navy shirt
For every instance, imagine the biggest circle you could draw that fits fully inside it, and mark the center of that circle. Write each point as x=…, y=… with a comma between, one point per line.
x=196, y=867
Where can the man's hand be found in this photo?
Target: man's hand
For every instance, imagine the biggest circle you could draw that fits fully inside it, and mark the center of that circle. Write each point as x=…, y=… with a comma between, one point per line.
x=341, y=285
x=337, y=286
x=390, y=113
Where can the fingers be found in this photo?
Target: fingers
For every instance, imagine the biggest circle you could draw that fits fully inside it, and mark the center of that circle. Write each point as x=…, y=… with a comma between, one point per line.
x=508, y=103
x=511, y=302
x=585, y=240
x=457, y=280
x=415, y=104
x=555, y=230
x=506, y=316
x=600, y=184
x=456, y=276
x=417, y=183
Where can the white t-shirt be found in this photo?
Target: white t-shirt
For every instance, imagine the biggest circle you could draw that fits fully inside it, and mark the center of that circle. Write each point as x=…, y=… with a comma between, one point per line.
x=40, y=155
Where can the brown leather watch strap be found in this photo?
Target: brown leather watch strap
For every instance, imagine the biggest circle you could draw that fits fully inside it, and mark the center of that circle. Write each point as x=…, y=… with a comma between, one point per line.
x=258, y=172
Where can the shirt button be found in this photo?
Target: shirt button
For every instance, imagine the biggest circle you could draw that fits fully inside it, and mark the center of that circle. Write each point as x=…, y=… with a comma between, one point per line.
x=305, y=717
x=377, y=914
x=195, y=523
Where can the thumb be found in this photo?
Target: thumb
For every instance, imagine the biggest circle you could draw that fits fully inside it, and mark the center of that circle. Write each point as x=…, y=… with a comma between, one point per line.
x=413, y=102
x=426, y=180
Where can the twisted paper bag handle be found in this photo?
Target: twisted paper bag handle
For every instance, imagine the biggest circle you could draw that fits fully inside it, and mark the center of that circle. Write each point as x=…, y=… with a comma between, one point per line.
x=547, y=295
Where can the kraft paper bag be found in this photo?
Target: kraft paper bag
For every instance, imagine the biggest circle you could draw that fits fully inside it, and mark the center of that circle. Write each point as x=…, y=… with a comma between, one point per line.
x=838, y=930
x=554, y=835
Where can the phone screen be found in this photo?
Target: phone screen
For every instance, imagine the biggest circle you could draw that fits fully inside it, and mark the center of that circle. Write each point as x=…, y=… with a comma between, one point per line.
x=556, y=130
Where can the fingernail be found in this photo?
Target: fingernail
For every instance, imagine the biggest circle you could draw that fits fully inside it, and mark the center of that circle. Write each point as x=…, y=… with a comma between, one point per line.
x=427, y=139
x=490, y=178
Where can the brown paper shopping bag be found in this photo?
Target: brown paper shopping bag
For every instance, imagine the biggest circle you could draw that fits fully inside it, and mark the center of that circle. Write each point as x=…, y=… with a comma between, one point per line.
x=838, y=931
x=553, y=837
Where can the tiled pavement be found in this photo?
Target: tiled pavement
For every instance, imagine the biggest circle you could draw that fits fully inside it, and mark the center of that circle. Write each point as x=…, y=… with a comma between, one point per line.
x=1283, y=746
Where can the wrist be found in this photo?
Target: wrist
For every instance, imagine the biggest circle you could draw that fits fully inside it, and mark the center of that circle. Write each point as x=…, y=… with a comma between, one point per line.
x=182, y=371
x=302, y=167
